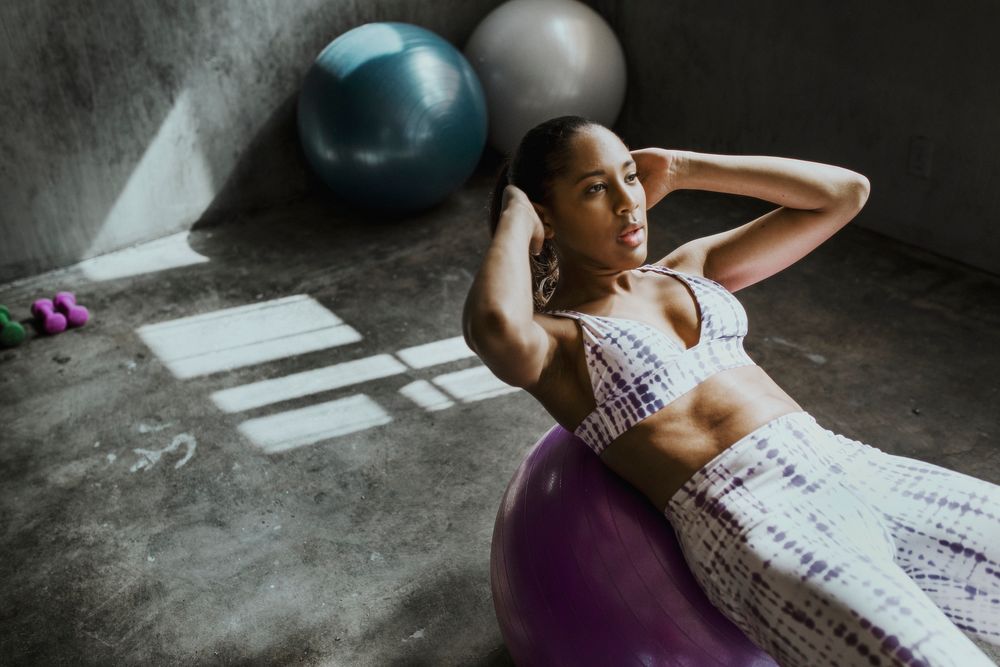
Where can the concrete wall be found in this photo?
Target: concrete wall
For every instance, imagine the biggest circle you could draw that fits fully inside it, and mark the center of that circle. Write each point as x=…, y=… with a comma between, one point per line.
x=123, y=121
x=904, y=93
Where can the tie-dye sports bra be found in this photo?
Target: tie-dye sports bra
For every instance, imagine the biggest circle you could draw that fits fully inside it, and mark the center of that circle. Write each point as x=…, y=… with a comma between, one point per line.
x=636, y=369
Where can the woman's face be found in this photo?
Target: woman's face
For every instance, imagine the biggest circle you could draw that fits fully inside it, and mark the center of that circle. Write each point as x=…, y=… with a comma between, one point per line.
x=597, y=199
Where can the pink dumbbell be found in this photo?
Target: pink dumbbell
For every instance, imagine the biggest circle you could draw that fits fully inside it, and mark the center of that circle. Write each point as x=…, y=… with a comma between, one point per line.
x=44, y=312
x=65, y=303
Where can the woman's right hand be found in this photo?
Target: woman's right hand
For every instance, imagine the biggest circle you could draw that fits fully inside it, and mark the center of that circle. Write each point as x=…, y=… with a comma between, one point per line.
x=514, y=198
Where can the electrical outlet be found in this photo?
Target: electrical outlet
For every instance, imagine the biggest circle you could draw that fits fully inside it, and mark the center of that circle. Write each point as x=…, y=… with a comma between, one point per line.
x=921, y=151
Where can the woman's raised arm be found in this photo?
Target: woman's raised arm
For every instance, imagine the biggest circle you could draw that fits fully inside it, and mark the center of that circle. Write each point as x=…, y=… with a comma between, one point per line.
x=498, y=319
x=815, y=200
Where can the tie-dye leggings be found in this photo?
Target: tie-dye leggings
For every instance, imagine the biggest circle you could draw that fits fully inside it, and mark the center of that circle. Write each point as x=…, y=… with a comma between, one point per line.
x=827, y=551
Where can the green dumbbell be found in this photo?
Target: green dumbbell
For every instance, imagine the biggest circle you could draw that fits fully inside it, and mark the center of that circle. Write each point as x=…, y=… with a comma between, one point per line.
x=11, y=333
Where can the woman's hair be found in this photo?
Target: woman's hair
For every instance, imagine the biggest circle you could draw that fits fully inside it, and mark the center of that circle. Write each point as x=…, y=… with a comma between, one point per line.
x=540, y=158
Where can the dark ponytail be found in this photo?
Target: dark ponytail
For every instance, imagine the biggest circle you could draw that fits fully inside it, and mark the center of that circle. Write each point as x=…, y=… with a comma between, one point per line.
x=539, y=159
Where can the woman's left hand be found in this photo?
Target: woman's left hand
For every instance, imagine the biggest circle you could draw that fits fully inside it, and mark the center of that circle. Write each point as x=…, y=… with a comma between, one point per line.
x=657, y=169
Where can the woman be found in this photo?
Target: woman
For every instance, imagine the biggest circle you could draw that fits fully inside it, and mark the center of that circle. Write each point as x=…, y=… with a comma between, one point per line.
x=822, y=549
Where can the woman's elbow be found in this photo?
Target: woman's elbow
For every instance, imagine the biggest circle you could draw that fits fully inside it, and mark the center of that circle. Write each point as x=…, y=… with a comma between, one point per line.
x=851, y=192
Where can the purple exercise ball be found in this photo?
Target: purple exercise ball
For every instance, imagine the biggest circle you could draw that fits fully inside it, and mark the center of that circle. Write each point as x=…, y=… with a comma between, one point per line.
x=585, y=571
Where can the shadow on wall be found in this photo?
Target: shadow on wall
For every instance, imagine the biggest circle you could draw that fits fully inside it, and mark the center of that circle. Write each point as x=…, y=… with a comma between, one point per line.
x=133, y=104
x=271, y=171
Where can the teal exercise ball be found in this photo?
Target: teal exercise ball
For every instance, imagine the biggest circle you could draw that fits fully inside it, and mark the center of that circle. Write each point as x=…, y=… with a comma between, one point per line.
x=392, y=117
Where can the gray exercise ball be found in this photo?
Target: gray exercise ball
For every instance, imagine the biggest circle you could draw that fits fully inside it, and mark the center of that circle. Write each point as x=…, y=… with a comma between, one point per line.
x=538, y=59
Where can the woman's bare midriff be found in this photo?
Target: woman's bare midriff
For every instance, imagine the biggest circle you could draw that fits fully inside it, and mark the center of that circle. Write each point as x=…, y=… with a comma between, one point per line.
x=660, y=453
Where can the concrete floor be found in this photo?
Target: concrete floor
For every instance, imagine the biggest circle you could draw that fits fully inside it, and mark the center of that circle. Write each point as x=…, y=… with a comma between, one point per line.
x=157, y=510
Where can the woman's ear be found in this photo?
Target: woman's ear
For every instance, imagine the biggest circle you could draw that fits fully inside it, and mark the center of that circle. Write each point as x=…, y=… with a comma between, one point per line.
x=540, y=210
x=543, y=215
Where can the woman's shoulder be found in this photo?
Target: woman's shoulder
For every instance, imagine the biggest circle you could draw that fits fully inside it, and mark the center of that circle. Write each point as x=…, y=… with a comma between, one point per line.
x=684, y=263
